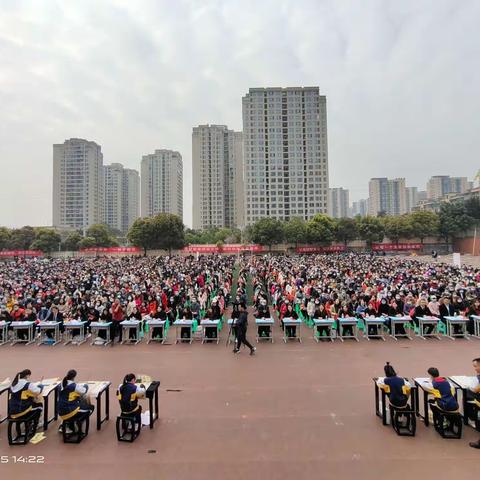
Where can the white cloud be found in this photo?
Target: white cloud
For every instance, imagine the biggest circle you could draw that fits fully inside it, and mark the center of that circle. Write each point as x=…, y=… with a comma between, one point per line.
x=400, y=80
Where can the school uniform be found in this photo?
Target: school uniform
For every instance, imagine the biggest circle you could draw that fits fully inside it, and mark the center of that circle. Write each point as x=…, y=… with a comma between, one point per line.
x=444, y=395
x=396, y=391
x=70, y=404
x=128, y=395
x=22, y=400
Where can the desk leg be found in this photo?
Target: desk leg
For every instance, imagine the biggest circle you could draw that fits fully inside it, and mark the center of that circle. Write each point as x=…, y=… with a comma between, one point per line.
x=465, y=405
x=45, y=414
x=384, y=407
x=99, y=412
x=377, y=410
x=107, y=404
x=150, y=405
x=425, y=409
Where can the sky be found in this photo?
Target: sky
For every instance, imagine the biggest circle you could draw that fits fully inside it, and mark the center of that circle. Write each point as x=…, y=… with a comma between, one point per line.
x=401, y=80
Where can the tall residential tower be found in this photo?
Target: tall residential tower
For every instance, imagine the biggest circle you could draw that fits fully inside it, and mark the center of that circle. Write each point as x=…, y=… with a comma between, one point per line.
x=162, y=183
x=77, y=184
x=285, y=153
x=217, y=162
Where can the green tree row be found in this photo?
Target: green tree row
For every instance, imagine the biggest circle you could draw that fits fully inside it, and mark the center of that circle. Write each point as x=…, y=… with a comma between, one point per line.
x=453, y=219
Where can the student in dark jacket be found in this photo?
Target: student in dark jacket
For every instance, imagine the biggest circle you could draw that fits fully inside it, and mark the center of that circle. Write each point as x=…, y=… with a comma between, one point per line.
x=422, y=310
x=443, y=392
x=128, y=394
x=242, y=325
x=447, y=309
x=398, y=391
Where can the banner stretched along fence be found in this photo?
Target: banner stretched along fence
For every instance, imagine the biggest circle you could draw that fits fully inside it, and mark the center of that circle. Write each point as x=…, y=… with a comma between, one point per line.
x=316, y=249
x=393, y=247
x=21, y=253
x=229, y=248
x=111, y=250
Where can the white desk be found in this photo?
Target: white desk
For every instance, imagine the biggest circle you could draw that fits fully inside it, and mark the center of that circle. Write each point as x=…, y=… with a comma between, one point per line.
x=97, y=327
x=422, y=322
x=347, y=322
x=70, y=327
x=476, y=326
x=183, y=323
x=394, y=321
x=158, y=324
x=4, y=332
x=22, y=326
x=378, y=323
x=453, y=322
x=127, y=327
x=326, y=323
x=212, y=325
x=267, y=325
x=47, y=326
x=296, y=324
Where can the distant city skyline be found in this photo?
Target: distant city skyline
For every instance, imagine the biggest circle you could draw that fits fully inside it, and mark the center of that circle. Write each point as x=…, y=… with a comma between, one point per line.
x=399, y=78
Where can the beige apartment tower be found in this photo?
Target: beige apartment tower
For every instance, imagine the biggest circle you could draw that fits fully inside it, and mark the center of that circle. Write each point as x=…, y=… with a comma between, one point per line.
x=162, y=183
x=338, y=202
x=217, y=171
x=77, y=184
x=387, y=196
x=121, y=196
x=285, y=153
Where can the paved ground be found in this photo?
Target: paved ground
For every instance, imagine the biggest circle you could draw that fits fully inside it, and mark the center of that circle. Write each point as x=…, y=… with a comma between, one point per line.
x=291, y=412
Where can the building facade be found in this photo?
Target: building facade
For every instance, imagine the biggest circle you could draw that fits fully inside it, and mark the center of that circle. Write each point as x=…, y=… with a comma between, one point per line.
x=440, y=185
x=338, y=202
x=121, y=196
x=412, y=200
x=77, y=184
x=360, y=207
x=285, y=153
x=217, y=171
x=387, y=196
x=162, y=183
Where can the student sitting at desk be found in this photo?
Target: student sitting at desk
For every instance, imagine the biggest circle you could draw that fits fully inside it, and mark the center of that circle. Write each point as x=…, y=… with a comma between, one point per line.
x=443, y=392
x=23, y=394
x=185, y=331
x=346, y=312
x=54, y=316
x=398, y=390
x=70, y=404
x=128, y=394
x=473, y=309
x=446, y=309
x=4, y=317
x=321, y=312
x=262, y=312
x=160, y=314
x=289, y=313
x=422, y=310
x=474, y=394
x=134, y=315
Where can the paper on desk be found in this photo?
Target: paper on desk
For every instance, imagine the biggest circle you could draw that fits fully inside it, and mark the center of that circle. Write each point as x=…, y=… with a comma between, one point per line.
x=146, y=418
x=465, y=381
x=6, y=382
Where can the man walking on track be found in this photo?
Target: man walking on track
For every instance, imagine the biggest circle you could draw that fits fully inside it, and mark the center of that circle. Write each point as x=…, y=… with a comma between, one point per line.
x=241, y=327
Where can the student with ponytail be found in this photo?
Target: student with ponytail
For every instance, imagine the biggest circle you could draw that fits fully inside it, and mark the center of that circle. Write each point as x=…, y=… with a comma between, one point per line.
x=397, y=389
x=71, y=406
x=128, y=394
x=23, y=394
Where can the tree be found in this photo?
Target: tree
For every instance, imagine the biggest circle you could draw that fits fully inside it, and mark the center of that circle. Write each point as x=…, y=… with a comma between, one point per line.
x=142, y=234
x=371, y=229
x=321, y=229
x=47, y=240
x=22, y=238
x=397, y=227
x=87, y=242
x=346, y=230
x=72, y=241
x=5, y=236
x=472, y=208
x=424, y=224
x=295, y=230
x=169, y=231
x=453, y=220
x=266, y=231
x=101, y=234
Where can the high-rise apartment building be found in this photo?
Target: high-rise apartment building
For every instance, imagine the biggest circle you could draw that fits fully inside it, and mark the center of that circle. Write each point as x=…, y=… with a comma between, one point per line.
x=338, y=202
x=411, y=195
x=440, y=185
x=121, y=196
x=217, y=170
x=387, y=196
x=77, y=184
x=360, y=207
x=162, y=183
x=285, y=153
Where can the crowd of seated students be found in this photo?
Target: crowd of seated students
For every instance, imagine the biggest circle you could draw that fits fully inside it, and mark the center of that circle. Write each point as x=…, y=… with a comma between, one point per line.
x=363, y=285
x=114, y=289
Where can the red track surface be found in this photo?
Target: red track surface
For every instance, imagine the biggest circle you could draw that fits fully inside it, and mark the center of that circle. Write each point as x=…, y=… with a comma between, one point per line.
x=296, y=411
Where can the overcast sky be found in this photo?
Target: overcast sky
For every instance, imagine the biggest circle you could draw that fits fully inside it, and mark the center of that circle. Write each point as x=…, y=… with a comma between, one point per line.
x=401, y=80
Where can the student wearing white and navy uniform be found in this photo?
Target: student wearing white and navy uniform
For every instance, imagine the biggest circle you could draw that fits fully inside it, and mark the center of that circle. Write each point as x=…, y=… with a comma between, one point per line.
x=22, y=401
x=71, y=406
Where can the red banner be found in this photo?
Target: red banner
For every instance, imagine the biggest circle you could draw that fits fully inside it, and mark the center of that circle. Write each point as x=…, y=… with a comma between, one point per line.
x=21, y=253
x=395, y=247
x=229, y=248
x=111, y=250
x=317, y=249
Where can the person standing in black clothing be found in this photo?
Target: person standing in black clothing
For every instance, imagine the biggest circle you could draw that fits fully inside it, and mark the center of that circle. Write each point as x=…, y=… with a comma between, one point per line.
x=241, y=325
